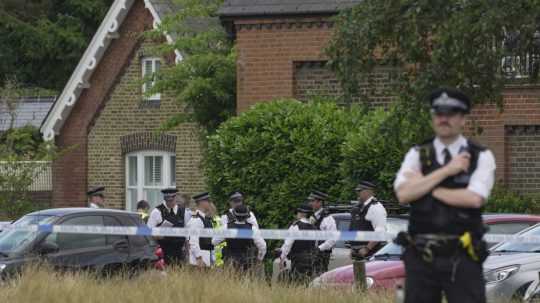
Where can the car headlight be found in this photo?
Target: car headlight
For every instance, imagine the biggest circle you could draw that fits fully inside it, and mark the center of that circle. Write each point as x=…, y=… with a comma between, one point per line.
x=369, y=282
x=500, y=274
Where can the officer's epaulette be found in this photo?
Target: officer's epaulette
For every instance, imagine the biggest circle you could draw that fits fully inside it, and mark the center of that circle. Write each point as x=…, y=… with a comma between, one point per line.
x=425, y=143
x=475, y=145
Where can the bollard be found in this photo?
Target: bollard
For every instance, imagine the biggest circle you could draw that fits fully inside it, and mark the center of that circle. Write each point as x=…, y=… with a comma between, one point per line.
x=359, y=267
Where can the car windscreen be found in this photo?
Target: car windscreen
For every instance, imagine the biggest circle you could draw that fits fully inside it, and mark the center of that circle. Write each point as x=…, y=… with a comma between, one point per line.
x=514, y=246
x=16, y=240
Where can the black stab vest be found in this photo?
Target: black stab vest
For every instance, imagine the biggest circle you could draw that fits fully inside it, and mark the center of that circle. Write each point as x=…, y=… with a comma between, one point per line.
x=303, y=246
x=239, y=246
x=177, y=220
x=431, y=216
x=358, y=219
x=205, y=243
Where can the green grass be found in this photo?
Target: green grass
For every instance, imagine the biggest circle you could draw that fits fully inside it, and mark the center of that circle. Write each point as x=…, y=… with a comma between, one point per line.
x=182, y=285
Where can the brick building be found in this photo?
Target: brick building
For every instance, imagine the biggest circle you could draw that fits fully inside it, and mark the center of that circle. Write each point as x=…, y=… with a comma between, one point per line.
x=108, y=128
x=280, y=46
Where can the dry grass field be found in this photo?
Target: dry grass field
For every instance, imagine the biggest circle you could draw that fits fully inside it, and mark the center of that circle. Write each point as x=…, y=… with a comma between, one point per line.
x=185, y=286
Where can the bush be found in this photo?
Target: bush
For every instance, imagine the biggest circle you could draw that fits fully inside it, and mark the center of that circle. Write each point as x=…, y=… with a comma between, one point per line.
x=276, y=153
x=503, y=200
x=375, y=150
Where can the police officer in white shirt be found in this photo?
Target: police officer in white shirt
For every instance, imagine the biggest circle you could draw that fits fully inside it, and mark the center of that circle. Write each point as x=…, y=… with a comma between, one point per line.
x=323, y=221
x=96, y=197
x=302, y=253
x=368, y=215
x=170, y=214
x=200, y=249
x=446, y=181
x=235, y=199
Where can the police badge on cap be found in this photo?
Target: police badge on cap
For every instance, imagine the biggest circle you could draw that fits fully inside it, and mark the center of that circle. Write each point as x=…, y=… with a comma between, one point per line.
x=449, y=101
x=169, y=192
x=317, y=195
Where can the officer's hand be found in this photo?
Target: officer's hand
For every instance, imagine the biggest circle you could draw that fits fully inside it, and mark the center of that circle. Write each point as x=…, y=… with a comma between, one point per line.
x=459, y=164
x=200, y=262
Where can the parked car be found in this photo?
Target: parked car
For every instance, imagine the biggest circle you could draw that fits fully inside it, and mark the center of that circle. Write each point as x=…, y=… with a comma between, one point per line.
x=65, y=251
x=386, y=270
x=512, y=267
x=4, y=223
x=341, y=254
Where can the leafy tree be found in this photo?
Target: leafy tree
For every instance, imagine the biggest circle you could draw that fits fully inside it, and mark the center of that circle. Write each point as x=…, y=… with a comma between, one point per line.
x=204, y=82
x=23, y=157
x=42, y=41
x=437, y=43
x=276, y=153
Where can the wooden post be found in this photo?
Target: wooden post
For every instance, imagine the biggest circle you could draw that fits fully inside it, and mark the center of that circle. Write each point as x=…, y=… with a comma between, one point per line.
x=359, y=266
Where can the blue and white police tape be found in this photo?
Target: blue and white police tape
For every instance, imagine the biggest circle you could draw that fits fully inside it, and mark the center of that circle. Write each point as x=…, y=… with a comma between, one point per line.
x=269, y=234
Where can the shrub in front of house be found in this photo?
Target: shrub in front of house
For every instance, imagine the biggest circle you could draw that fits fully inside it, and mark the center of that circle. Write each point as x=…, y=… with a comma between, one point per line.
x=503, y=200
x=375, y=149
x=276, y=153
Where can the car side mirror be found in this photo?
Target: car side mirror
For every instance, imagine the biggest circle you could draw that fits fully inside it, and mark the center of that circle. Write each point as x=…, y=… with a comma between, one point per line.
x=46, y=248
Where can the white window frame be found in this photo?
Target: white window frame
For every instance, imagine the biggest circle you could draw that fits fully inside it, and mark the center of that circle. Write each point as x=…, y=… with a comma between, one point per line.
x=154, y=61
x=167, y=178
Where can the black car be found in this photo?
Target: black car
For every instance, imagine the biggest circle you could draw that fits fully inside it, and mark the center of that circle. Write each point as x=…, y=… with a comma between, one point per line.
x=66, y=251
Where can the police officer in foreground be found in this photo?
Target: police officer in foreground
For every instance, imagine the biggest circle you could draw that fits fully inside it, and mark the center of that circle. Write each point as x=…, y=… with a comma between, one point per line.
x=446, y=181
x=170, y=214
x=302, y=253
x=96, y=197
x=200, y=249
x=242, y=254
x=235, y=199
x=323, y=221
x=368, y=215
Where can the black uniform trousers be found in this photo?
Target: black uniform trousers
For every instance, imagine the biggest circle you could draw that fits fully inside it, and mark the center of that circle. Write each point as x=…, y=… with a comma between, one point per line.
x=459, y=277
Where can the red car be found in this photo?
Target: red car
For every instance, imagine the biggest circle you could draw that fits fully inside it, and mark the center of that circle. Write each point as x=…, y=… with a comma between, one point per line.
x=385, y=269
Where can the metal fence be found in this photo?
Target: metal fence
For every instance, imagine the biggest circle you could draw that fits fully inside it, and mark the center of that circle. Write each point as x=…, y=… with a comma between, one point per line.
x=39, y=174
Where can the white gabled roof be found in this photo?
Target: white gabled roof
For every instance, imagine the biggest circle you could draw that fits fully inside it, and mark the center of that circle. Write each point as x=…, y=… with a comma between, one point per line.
x=78, y=81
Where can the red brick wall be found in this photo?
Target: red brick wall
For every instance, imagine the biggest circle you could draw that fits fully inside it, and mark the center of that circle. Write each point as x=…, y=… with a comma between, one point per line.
x=500, y=132
x=271, y=64
x=70, y=171
x=267, y=50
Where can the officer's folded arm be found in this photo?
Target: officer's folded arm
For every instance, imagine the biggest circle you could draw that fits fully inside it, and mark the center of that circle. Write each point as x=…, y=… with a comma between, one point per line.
x=458, y=197
x=418, y=185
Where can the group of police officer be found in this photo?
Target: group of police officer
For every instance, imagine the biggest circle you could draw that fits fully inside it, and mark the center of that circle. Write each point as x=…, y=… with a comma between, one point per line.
x=445, y=180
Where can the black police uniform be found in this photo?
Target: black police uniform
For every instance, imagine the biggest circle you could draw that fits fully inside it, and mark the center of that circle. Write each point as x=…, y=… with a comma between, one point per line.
x=240, y=253
x=360, y=223
x=323, y=257
x=436, y=260
x=173, y=247
x=205, y=243
x=302, y=256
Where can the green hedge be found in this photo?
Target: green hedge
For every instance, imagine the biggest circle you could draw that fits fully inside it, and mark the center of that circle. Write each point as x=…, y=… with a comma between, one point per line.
x=375, y=149
x=503, y=200
x=276, y=153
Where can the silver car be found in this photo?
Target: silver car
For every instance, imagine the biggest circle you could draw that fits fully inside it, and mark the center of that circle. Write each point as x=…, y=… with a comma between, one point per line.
x=512, y=267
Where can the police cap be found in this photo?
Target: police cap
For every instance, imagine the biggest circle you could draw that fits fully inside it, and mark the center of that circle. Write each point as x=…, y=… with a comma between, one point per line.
x=201, y=197
x=365, y=185
x=96, y=191
x=448, y=101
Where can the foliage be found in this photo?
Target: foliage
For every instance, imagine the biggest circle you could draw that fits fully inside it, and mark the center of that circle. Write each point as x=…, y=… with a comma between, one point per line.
x=437, y=43
x=23, y=157
x=503, y=200
x=276, y=153
x=42, y=41
x=375, y=149
x=204, y=82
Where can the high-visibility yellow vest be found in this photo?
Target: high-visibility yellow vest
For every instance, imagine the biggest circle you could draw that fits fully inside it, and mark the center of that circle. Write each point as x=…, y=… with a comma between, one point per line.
x=218, y=250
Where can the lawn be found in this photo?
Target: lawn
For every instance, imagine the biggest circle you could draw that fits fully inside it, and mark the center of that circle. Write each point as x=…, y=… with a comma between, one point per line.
x=187, y=285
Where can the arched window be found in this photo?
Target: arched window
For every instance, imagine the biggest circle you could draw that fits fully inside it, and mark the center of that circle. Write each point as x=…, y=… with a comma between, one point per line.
x=147, y=173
